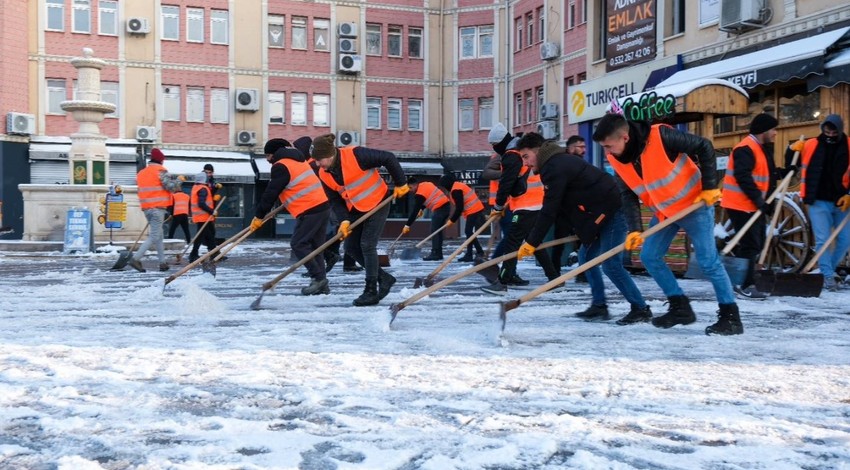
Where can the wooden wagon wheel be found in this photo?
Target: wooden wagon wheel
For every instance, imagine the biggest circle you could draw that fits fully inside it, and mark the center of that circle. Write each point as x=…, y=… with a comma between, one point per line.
x=723, y=228
x=791, y=245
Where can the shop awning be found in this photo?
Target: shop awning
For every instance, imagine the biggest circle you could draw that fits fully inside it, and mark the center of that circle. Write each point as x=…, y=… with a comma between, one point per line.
x=237, y=171
x=686, y=101
x=793, y=60
x=410, y=168
x=60, y=150
x=837, y=70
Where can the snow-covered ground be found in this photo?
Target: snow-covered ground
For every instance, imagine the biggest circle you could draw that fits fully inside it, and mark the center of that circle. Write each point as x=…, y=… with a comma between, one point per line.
x=102, y=369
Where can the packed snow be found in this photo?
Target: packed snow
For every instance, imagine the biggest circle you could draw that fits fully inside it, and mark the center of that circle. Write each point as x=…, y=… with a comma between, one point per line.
x=104, y=369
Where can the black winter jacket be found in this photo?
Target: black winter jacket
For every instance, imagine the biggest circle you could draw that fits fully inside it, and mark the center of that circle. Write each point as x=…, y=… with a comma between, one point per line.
x=278, y=181
x=575, y=191
x=367, y=158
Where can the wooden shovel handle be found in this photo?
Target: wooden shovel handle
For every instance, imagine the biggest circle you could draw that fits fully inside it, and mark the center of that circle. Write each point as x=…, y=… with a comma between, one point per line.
x=419, y=245
x=198, y=233
x=826, y=244
x=268, y=285
x=776, y=210
x=461, y=247
x=148, y=224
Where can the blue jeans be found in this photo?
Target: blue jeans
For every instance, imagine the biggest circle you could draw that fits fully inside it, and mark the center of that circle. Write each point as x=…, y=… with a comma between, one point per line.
x=611, y=234
x=699, y=225
x=825, y=216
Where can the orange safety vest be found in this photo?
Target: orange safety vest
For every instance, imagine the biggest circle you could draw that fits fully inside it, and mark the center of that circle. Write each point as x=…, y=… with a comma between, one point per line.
x=181, y=203
x=304, y=190
x=666, y=187
x=471, y=203
x=733, y=197
x=361, y=189
x=809, y=151
x=151, y=193
x=199, y=215
x=434, y=197
x=532, y=200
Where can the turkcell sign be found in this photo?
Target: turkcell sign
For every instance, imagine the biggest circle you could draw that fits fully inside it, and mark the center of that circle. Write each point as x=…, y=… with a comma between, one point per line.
x=588, y=101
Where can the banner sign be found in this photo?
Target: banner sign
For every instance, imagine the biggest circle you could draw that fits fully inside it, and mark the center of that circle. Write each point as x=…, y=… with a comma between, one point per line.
x=631, y=32
x=78, y=231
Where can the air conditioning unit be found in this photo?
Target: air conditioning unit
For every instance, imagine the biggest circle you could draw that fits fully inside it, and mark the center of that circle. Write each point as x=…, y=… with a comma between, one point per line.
x=348, y=30
x=548, y=129
x=549, y=111
x=549, y=51
x=247, y=99
x=347, y=45
x=346, y=138
x=20, y=123
x=136, y=25
x=740, y=15
x=246, y=138
x=145, y=133
x=349, y=63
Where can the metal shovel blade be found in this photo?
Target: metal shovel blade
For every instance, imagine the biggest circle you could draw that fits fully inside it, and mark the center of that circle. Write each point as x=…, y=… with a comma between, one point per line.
x=490, y=273
x=123, y=259
x=209, y=267
x=789, y=284
x=394, y=309
x=383, y=260
x=424, y=281
x=255, y=305
x=411, y=253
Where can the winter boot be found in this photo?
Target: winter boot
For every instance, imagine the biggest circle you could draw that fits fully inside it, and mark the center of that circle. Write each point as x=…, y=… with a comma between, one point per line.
x=496, y=288
x=163, y=267
x=515, y=280
x=467, y=258
x=678, y=313
x=385, y=283
x=636, y=315
x=331, y=258
x=193, y=257
x=594, y=312
x=136, y=264
x=317, y=286
x=433, y=257
x=728, y=321
x=369, y=295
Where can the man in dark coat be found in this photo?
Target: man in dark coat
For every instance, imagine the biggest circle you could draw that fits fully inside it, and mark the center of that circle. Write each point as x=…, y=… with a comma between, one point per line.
x=588, y=200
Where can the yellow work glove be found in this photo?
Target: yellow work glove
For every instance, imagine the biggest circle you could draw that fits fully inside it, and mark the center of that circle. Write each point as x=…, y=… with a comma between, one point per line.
x=218, y=186
x=256, y=223
x=525, y=250
x=634, y=240
x=497, y=211
x=217, y=197
x=449, y=223
x=181, y=178
x=400, y=191
x=709, y=196
x=420, y=214
x=405, y=230
x=344, y=229
x=843, y=202
x=798, y=145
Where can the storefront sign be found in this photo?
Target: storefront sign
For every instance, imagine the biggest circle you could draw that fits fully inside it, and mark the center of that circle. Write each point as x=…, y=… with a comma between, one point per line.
x=649, y=107
x=78, y=231
x=631, y=31
x=80, y=172
x=589, y=100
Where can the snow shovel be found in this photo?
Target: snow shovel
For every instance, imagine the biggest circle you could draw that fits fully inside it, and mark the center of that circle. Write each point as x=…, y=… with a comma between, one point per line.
x=255, y=305
x=395, y=308
x=509, y=305
x=492, y=241
x=802, y=284
x=125, y=255
x=191, y=243
x=428, y=280
x=384, y=260
x=416, y=251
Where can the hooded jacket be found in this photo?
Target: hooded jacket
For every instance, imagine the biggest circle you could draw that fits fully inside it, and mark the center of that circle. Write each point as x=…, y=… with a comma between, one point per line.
x=576, y=192
x=827, y=165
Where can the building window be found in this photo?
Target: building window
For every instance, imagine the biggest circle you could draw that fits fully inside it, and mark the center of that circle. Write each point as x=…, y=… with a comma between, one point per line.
x=194, y=104
x=373, y=113
x=394, y=41
x=582, y=77
x=220, y=106
x=107, y=18
x=321, y=110
x=56, y=15
x=571, y=14
x=321, y=35
x=373, y=39
x=467, y=114
x=485, y=41
x=276, y=31
x=170, y=103
x=517, y=109
x=485, y=113
x=529, y=106
x=676, y=20
x=277, y=107
x=414, y=115
x=299, y=32
x=299, y=109
x=529, y=19
x=56, y=94
x=518, y=33
x=541, y=25
x=467, y=43
x=219, y=25
x=583, y=11
x=195, y=25
x=394, y=114
x=414, y=43
x=82, y=16
x=109, y=93
x=540, y=98
x=170, y=17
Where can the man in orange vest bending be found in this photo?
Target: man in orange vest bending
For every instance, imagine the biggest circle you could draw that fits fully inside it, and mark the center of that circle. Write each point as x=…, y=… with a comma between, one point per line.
x=354, y=188
x=427, y=195
x=748, y=181
x=297, y=187
x=468, y=205
x=155, y=187
x=654, y=163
